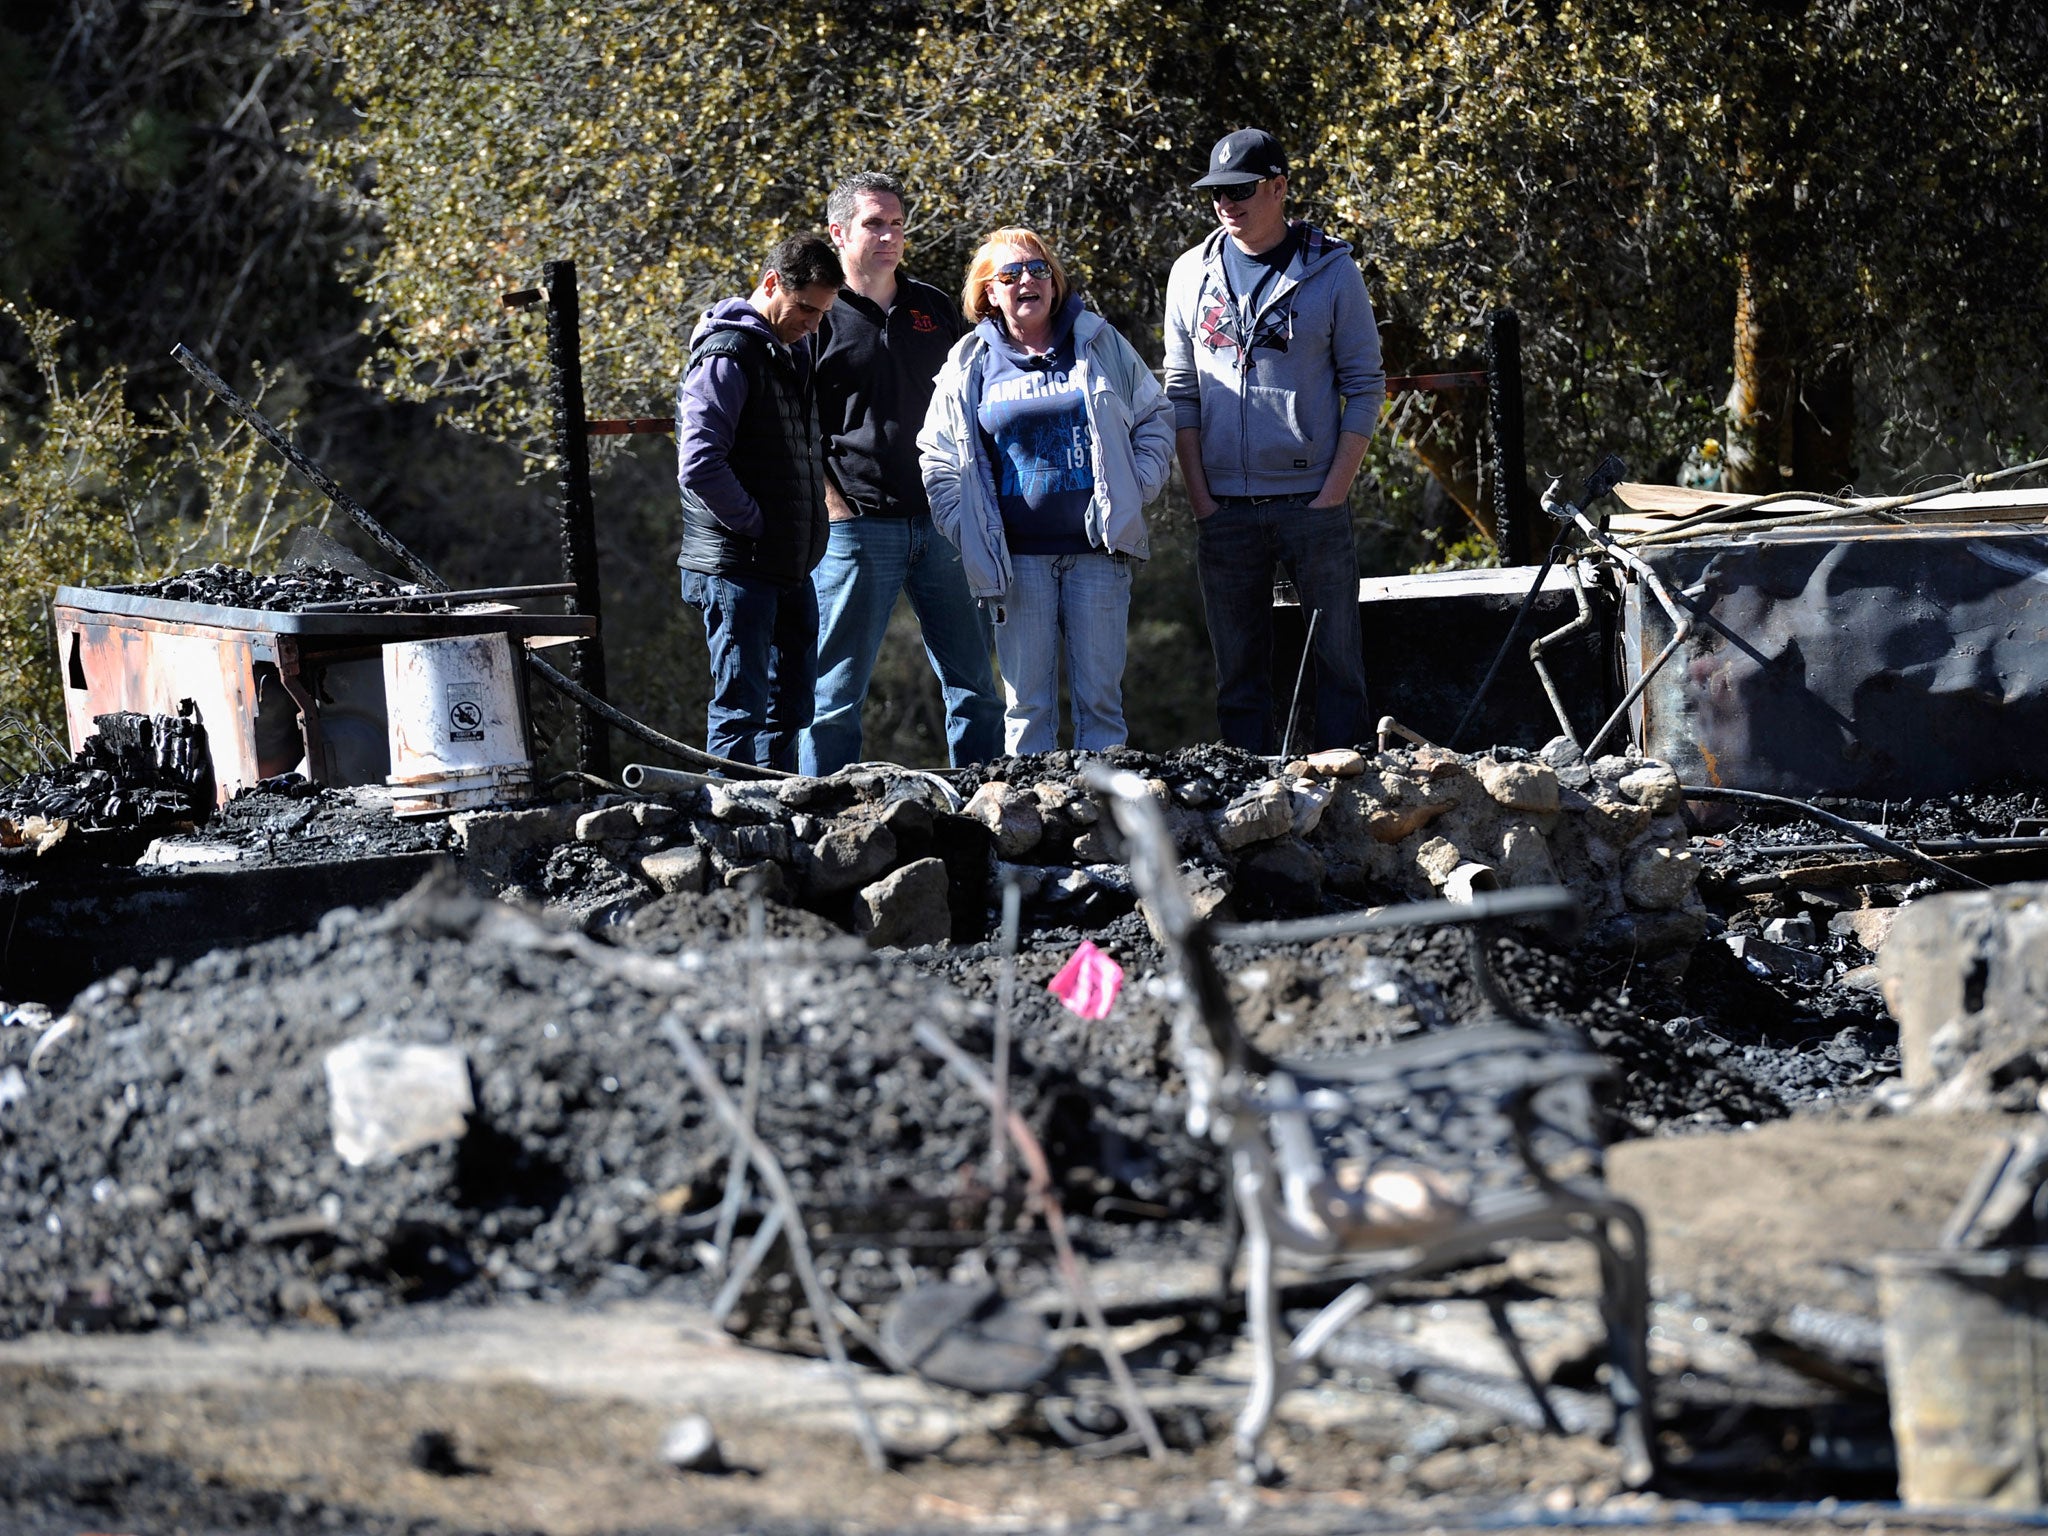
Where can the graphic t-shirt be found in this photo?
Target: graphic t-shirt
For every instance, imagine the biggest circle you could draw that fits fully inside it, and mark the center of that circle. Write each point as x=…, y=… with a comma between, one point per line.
x=1252, y=278
x=1034, y=423
x=1253, y=281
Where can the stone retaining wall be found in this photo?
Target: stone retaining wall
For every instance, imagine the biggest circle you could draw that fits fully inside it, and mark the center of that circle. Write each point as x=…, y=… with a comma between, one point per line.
x=899, y=858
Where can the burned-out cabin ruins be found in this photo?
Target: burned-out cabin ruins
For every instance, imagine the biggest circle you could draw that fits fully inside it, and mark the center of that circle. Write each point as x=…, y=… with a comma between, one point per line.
x=1620, y=1080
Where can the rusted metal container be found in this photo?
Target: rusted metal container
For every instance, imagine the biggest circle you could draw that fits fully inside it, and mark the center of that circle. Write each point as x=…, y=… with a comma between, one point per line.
x=275, y=691
x=1873, y=659
x=1966, y=1361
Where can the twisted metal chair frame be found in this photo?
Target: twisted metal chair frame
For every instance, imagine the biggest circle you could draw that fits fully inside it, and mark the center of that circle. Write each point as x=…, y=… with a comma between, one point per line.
x=1304, y=1138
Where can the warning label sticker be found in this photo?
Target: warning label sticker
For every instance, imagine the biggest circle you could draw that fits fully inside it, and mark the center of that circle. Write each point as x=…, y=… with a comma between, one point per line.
x=465, y=715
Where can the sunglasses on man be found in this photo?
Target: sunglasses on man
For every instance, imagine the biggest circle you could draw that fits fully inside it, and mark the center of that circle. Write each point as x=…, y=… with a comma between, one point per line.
x=1236, y=192
x=1012, y=273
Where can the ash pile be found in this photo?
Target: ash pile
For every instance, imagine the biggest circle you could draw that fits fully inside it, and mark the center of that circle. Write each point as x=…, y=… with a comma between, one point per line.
x=178, y=1147
x=175, y=1150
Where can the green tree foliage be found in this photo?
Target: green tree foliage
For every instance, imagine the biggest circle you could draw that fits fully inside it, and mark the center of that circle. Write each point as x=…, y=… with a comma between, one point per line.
x=93, y=494
x=664, y=147
x=147, y=190
x=1792, y=197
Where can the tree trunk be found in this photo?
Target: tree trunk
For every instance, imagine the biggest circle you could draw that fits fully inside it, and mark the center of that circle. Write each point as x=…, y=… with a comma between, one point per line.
x=1760, y=401
x=1792, y=406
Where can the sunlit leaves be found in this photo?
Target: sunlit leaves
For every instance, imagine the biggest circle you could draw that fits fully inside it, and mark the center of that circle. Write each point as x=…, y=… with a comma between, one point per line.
x=91, y=493
x=1605, y=166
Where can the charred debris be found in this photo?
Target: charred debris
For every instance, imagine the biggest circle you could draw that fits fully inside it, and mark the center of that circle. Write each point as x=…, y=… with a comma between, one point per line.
x=224, y=983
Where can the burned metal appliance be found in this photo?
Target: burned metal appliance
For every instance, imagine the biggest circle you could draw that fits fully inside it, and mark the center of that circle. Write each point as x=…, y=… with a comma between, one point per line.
x=275, y=691
x=1880, y=658
x=1814, y=645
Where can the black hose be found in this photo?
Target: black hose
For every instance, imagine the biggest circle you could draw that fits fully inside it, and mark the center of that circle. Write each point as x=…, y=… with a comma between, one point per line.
x=732, y=768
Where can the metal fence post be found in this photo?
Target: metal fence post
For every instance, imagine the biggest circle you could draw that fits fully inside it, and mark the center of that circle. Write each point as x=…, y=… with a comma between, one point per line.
x=1513, y=519
x=579, y=519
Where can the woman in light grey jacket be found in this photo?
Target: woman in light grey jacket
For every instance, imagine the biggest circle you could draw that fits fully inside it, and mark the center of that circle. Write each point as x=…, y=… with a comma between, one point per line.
x=1047, y=434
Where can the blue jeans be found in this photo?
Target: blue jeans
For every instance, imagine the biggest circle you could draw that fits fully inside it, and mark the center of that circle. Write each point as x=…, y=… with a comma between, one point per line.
x=763, y=637
x=1071, y=609
x=867, y=562
x=1237, y=548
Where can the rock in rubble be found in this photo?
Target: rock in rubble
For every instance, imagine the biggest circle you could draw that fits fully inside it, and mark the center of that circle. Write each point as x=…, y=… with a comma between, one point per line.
x=907, y=908
x=1265, y=813
x=1013, y=818
x=670, y=870
x=850, y=856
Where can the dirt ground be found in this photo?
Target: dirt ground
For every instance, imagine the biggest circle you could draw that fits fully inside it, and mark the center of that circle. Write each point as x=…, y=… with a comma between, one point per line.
x=549, y=1417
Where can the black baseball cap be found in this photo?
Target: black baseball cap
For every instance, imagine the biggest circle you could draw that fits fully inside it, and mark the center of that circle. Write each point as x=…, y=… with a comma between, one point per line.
x=1250, y=154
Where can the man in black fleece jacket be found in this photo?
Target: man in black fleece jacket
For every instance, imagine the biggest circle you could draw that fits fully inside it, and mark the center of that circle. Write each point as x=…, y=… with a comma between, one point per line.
x=878, y=352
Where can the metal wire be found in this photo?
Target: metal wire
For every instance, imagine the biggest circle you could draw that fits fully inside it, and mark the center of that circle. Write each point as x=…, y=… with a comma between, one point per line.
x=1838, y=507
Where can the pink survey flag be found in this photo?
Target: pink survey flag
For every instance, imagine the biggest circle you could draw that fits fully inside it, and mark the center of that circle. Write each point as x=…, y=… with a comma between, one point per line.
x=1089, y=982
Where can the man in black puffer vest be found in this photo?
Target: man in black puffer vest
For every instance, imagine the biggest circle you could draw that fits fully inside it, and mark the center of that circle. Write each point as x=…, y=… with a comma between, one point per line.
x=751, y=469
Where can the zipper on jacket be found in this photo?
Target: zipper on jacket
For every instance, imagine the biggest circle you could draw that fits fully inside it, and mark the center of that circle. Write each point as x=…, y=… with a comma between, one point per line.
x=1245, y=366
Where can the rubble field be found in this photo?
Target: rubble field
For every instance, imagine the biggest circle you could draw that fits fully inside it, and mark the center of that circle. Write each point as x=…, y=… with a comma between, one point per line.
x=171, y=1169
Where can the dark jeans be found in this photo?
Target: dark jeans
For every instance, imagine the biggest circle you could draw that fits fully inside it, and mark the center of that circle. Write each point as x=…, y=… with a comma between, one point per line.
x=1237, y=549
x=868, y=561
x=764, y=664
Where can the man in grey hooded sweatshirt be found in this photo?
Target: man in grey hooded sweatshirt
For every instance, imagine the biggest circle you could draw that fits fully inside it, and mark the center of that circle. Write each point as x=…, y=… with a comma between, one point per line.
x=1273, y=368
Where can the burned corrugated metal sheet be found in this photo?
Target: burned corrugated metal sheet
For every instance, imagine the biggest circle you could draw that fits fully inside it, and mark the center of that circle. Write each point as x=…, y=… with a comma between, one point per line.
x=1879, y=661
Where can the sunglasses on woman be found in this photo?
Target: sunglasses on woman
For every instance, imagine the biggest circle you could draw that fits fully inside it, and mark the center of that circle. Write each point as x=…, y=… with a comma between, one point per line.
x=1012, y=273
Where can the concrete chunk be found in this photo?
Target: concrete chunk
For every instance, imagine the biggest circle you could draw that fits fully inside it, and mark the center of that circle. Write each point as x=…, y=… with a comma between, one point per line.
x=495, y=842
x=386, y=1098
